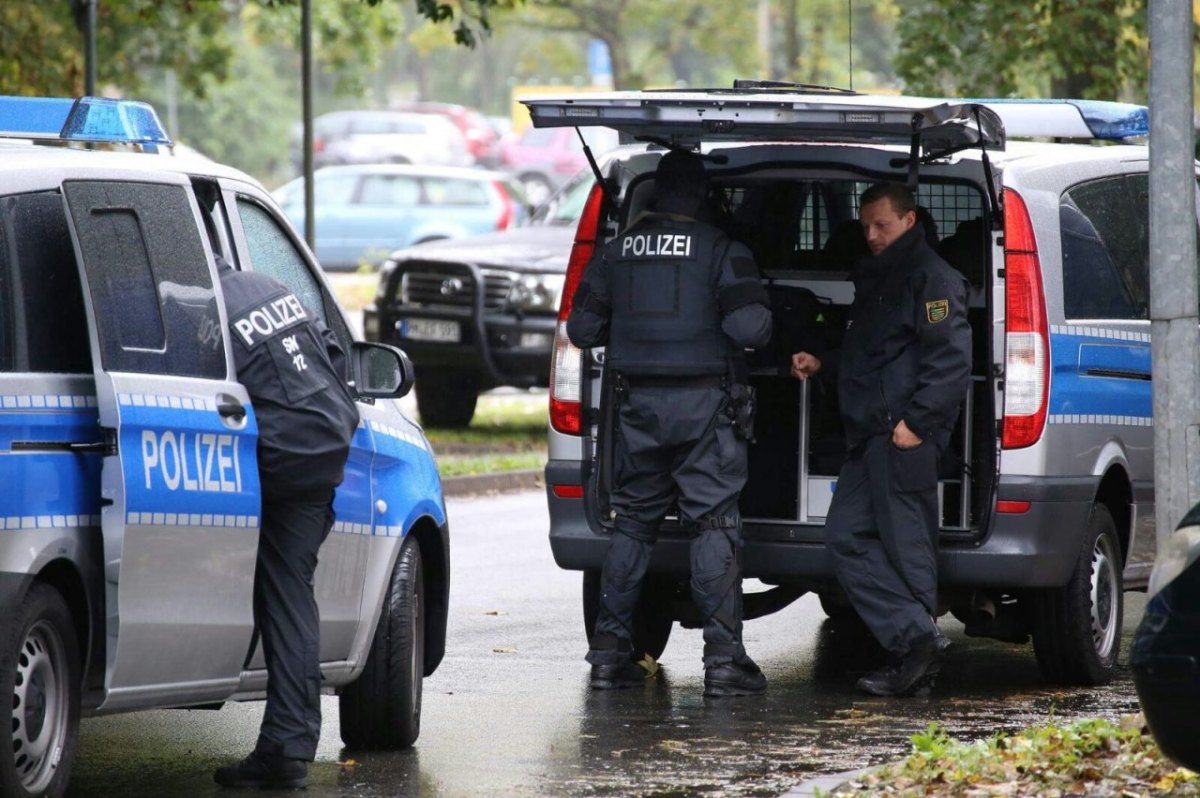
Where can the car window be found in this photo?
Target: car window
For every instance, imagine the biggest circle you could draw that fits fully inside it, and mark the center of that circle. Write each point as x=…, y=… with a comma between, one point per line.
x=330, y=189
x=389, y=190
x=148, y=275
x=43, y=324
x=565, y=207
x=272, y=252
x=454, y=191
x=1104, y=251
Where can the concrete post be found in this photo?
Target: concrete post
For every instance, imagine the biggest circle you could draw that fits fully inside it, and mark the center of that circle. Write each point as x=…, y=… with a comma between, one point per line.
x=1173, y=272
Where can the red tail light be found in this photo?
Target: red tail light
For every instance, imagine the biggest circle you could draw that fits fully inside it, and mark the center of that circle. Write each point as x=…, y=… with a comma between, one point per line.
x=566, y=369
x=508, y=212
x=1027, y=343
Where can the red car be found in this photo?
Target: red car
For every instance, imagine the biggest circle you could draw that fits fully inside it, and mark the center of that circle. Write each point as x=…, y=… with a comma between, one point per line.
x=483, y=142
x=543, y=159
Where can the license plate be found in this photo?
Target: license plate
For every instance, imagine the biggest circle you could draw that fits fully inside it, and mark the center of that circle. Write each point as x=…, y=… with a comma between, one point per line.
x=431, y=330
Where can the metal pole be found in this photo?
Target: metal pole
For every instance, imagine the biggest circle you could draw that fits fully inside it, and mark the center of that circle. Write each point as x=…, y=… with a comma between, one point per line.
x=1173, y=273
x=89, y=48
x=306, y=78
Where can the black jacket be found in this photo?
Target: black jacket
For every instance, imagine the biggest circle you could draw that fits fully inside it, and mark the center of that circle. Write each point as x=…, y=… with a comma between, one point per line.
x=671, y=296
x=907, y=349
x=294, y=370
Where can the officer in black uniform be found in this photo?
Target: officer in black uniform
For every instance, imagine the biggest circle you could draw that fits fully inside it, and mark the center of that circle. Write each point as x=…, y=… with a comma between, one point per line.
x=903, y=371
x=676, y=302
x=294, y=371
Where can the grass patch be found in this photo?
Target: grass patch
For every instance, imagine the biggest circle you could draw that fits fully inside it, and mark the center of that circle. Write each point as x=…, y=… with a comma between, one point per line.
x=1090, y=757
x=354, y=290
x=504, y=423
x=463, y=465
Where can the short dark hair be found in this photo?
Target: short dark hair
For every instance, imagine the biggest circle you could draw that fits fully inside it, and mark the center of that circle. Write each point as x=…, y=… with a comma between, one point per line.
x=902, y=199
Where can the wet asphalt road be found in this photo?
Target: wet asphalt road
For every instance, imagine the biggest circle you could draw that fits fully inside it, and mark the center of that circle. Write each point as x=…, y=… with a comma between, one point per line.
x=509, y=711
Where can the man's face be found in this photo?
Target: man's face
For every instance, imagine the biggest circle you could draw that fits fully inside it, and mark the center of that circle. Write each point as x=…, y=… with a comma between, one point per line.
x=882, y=225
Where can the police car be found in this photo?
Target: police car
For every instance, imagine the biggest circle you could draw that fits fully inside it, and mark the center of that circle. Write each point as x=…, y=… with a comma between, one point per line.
x=129, y=492
x=1047, y=498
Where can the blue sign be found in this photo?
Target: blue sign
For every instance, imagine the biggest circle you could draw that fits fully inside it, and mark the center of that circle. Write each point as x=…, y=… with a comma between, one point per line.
x=599, y=62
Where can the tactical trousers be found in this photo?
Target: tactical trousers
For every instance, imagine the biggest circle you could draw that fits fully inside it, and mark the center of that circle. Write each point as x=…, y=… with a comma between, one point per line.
x=285, y=612
x=674, y=446
x=881, y=532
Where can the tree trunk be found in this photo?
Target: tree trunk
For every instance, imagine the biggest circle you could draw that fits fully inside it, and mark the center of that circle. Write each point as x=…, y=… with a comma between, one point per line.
x=791, y=39
x=622, y=71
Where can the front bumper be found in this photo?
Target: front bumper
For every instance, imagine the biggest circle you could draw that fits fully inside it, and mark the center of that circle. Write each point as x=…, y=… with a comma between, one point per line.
x=1035, y=549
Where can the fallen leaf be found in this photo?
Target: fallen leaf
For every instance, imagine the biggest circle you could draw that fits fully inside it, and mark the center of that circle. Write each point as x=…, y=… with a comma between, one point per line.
x=504, y=650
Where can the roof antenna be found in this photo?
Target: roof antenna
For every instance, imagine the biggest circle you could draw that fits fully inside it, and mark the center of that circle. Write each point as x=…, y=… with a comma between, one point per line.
x=850, y=42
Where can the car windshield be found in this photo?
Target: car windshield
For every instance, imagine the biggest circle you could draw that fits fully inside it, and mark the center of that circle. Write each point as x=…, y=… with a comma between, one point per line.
x=564, y=208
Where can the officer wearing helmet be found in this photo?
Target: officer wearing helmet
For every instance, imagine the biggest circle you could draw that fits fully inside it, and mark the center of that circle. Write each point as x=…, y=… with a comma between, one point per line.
x=676, y=302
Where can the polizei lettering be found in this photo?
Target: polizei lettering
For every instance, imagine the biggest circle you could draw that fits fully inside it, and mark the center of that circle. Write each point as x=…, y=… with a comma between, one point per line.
x=674, y=245
x=196, y=462
x=270, y=318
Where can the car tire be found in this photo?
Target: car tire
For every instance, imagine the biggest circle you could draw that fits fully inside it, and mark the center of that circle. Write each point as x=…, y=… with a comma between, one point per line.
x=840, y=612
x=1077, y=628
x=652, y=621
x=446, y=398
x=40, y=674
x=382, y=708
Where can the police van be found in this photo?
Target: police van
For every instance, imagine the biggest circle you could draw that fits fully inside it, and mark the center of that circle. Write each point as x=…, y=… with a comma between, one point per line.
x=129, y=491
x=1046, y=494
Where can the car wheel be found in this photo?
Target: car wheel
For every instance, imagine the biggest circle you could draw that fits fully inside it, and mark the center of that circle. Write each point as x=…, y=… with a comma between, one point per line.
x=382, y=708
x=1077, y=628
x=39, y=671
x=840, y=612
x=536, y=188
x=446, y=398
x=652, y=621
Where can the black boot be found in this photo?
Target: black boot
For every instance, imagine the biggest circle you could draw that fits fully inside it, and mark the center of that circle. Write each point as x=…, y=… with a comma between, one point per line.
x=615, y=677
x=263, y=772
x=734, y=678
x=912, y=673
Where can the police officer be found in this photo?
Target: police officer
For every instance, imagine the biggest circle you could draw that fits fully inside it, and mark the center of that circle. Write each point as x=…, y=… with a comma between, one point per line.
x=903, y=370
x=294, y=371
x=676, y=302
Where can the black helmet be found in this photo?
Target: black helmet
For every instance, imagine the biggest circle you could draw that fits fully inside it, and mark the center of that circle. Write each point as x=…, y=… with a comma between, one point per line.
x=680, y=182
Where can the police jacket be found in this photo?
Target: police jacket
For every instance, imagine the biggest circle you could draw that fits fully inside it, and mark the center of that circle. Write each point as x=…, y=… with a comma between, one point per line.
x=294, y=370
x=671, y=296
x=906, y=354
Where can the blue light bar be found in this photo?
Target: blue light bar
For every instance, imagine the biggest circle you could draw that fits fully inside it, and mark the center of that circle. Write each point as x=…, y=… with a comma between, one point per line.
x=94, y=119
x=1114, y=120
x=1070, y=119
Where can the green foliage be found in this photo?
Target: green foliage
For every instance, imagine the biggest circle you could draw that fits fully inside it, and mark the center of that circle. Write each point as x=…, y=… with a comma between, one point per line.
x=1092, y=757
x=1085, y=48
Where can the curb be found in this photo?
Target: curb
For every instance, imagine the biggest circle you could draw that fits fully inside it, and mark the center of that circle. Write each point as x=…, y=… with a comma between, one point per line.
x=499, y=482
x=826, y=784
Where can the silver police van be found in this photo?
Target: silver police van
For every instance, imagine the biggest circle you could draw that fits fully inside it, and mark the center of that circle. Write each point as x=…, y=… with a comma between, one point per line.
x=1046, y=494
x=129, y=494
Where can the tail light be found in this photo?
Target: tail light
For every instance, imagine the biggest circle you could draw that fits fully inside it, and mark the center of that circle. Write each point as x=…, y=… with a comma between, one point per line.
x=566, y=369
x=508, y=212
x=1026, y=345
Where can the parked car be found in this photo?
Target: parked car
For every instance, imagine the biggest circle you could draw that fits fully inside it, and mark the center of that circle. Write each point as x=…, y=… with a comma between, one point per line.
x=543, y=159
x=1047, y=492
x=365, y=212
x=483, y=141
x=427, y=299
x=1166, y=646
x=356, y=137
x=129, y=494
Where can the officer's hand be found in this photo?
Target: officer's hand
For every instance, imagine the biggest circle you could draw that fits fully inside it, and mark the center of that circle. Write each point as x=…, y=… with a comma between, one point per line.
x=804, y=365
x=903, y=437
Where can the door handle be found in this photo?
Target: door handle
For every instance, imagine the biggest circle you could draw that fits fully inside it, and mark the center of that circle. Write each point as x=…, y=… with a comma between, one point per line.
x=231, y=408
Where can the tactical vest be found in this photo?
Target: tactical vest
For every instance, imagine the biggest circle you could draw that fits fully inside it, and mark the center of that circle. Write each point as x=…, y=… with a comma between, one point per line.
x=665, y=316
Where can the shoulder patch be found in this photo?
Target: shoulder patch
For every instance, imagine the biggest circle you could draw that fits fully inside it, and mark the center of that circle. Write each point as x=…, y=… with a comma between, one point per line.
x=937, y=310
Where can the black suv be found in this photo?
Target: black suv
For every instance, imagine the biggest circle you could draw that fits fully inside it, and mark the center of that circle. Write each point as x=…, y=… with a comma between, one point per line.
x=480, y=312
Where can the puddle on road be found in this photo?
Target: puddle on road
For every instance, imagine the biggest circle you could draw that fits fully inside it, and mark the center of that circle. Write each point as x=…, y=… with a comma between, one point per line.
x=668, y=740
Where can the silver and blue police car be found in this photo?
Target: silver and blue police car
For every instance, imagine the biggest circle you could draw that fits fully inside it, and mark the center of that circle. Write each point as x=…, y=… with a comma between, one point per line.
x=129, y=495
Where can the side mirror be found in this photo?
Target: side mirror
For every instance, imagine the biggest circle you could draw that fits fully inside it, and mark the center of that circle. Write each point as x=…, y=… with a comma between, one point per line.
x=380, y=371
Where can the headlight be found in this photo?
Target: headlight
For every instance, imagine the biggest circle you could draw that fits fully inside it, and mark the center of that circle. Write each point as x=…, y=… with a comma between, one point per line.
x=538, y=293
x=1182, y=549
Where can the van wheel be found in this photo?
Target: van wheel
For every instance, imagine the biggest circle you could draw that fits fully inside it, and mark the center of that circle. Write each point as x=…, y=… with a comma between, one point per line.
x=446, y=398
x=382, y=709
x=39, y=672
x=1077, y=628
x=652, y=621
